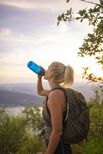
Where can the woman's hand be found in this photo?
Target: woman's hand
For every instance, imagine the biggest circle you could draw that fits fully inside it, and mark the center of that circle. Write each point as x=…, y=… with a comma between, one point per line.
x=40, y=76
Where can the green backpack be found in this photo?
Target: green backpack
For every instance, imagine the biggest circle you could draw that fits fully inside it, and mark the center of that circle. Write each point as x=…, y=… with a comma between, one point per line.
x=76, y=122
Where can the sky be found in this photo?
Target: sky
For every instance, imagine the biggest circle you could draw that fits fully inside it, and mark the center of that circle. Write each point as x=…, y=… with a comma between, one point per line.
x=29, y=31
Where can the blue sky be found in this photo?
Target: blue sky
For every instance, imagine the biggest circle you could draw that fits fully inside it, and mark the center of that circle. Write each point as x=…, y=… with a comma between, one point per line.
x=29, y=31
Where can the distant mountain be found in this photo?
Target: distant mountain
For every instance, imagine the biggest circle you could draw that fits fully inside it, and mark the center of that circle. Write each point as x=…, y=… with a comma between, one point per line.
x=11, y=99
x=86, y=89
x=20, y=87
x=26, y=94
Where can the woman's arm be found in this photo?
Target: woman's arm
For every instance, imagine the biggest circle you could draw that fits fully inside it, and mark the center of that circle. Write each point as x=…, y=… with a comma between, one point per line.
x=40, y=90
x=55, y=105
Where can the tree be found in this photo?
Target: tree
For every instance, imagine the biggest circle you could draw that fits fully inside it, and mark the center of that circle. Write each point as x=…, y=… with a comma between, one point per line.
x=93, y=43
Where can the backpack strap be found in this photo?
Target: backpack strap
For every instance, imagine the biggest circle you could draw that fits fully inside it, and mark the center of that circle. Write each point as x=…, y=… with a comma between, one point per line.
x=62, y=147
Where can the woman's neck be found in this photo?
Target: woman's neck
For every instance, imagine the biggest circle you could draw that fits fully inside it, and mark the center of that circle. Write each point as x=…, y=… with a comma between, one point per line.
x=53, y=84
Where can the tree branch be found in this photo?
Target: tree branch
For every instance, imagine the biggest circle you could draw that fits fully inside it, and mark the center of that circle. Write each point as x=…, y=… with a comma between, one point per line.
x=90, y=2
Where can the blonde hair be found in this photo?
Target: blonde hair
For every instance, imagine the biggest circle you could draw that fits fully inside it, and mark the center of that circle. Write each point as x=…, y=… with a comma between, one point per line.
x=63, y=75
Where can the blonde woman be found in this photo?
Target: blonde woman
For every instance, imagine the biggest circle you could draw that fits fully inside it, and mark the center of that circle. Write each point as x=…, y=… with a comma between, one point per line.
x=57, y=75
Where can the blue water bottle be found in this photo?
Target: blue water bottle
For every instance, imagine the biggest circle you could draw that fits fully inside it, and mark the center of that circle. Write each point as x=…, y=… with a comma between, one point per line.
x=36, y=68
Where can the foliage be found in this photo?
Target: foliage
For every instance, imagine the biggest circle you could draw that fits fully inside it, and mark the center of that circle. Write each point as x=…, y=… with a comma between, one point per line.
x=30, y=144
x=93, y=43
x=94, y=146
x=35, y=124
x=10, y=137
x=17, y=133
x=96, y=116
x=22, y=134
x=94, y=143
x=95, y=139
x=34, y=119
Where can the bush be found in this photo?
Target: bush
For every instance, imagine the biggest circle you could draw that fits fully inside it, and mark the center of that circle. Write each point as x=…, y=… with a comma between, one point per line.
x=18, y=134
x=12, y=130
x=94, y=146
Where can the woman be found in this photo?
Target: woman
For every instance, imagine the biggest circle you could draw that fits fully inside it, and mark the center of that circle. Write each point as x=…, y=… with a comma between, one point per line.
x=55, y=107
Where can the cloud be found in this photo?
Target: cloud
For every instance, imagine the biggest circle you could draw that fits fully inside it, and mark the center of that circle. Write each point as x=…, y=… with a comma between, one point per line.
x=46, y=42
x=49, y=44
x=43, y=48
x=44, y=5
x=25, y=21
x=54, y=6
x=25, y=15
x=5, y=32
x=28, y=31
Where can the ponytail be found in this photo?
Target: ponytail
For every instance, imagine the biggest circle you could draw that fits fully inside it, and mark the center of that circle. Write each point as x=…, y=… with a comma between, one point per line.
x=63, y=75
x=68, y=76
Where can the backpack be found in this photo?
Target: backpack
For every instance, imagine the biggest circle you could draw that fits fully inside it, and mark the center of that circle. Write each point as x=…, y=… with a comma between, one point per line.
x=76, y=122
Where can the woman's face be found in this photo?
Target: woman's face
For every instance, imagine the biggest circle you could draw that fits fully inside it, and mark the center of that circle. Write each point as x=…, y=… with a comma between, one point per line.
x=48, y=73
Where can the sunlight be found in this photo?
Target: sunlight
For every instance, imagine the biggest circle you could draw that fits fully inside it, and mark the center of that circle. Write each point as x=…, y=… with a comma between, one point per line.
x=97, y=72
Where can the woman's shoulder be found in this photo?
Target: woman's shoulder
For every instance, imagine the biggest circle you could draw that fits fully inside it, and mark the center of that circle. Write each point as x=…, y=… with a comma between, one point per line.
x=56, y=100
x=56, y=93
x=56, y=96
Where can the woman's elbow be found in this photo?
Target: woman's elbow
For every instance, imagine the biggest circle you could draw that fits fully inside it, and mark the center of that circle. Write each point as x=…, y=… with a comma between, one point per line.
x=57, y=133
x=39, y=93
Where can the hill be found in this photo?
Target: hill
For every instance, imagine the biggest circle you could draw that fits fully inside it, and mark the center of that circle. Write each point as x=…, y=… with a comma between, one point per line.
x=26, y=94
x=9, y=98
